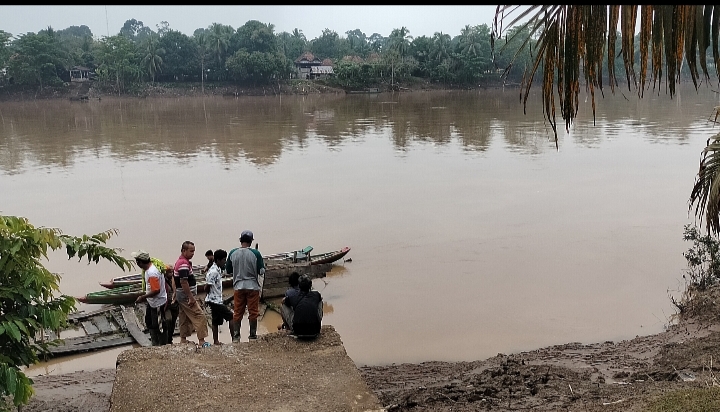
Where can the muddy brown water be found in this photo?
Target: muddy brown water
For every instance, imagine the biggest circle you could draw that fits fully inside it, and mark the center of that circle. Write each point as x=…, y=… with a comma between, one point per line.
x=471, y=234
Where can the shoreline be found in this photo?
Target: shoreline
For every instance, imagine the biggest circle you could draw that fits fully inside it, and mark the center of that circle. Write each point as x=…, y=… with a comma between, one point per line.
x=84, y=91
x=607, y=376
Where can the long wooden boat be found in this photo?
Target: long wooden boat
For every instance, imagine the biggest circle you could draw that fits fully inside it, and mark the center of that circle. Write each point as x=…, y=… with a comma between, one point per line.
x=297, y=256
x=127, y=294
x=275, y=282
x=302, y=256
x=135, y=278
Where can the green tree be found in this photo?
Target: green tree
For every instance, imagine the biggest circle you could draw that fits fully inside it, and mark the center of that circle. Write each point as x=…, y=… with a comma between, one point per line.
x=203, y=53
x=118, y=61
x=152, y=59
x=136, y=31
x=4, y=49
x=29, y=300
x=256, y=67
x=292, y=45
x=257, y=36
x=574, y=37
x=399, y=41
x=377, y=42
x=358, y=42
x=180, y=58
x=37, y=58
x=327, y=45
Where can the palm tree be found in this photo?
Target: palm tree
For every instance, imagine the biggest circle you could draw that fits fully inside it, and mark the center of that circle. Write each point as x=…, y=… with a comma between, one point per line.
x=219, y=40
x=400, y=41
x=571, y=36
x=203, y=50
x=153, y=57
x=298, y=34
x=441, y=46
x=469, y=41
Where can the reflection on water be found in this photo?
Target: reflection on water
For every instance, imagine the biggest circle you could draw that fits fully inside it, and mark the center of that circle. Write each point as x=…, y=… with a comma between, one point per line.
x=470, y=233
x=259, y=129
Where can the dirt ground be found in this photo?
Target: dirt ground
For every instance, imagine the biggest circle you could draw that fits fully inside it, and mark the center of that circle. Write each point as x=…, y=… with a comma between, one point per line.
x=607, y=376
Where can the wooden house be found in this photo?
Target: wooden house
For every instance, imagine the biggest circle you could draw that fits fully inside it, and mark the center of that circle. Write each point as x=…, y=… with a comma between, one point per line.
x=305, y=63
x=80, y=74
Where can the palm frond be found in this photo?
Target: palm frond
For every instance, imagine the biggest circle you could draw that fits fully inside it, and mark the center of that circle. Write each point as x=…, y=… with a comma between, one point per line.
x=705, y=194
x=571, y=41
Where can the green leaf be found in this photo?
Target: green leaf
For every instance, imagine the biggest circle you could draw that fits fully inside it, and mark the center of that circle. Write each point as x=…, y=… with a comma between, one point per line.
x=13, y=331
x=22, y=327
x=11, y=380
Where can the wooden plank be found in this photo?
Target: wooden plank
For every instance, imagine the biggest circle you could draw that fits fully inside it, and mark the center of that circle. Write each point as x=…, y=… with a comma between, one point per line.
x=82, y=315
x=90, y=328
x=75, y=347
x=128, y=314
x=103, y=324
x=117, y=317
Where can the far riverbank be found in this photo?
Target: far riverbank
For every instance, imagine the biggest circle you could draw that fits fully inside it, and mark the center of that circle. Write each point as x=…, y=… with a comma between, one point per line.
x=83, y=91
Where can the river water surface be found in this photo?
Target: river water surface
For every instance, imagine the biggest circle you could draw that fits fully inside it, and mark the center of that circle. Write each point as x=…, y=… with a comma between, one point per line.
x=471, y=234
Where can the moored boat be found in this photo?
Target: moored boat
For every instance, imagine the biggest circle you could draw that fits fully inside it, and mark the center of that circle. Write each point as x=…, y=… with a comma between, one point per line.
x=285, y=257
x=302, y=256
x=274, y=282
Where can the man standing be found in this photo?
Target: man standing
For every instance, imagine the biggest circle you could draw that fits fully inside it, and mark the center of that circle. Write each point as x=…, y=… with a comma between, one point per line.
x=155, y=295
x=191, y=315
x=246, y=265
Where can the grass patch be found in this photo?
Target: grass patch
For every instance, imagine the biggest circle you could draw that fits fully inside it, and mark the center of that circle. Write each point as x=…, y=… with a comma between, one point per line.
x=687, y=400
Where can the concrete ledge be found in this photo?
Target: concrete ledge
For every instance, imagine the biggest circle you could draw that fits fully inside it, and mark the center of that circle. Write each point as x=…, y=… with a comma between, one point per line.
x=274, y=373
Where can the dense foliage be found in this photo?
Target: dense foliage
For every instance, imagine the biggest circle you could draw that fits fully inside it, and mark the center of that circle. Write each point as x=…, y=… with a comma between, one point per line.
x=29, y=301
x=252, y=54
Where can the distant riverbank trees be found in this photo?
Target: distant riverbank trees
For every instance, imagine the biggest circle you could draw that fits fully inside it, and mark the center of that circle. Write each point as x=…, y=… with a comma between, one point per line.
x=255, y=55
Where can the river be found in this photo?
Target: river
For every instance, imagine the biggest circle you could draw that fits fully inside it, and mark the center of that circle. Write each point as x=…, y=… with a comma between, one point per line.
x=471, y=233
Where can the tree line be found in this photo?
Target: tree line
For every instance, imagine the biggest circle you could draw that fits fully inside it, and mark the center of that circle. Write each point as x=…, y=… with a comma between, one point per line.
x=253, y=54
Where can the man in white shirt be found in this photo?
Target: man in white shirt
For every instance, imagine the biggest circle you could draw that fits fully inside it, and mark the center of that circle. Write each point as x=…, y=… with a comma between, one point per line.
x=155, y=296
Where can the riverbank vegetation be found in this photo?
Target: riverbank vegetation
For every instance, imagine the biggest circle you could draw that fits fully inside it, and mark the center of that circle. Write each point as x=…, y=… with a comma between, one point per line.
x=29, y=295
x=254, y=55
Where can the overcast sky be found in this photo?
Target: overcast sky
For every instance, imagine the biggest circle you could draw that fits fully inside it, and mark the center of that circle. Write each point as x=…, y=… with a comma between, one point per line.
x=420, y=20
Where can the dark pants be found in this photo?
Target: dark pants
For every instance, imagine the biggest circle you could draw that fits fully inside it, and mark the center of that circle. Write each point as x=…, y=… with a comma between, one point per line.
x=154, y=317
x=171, y=315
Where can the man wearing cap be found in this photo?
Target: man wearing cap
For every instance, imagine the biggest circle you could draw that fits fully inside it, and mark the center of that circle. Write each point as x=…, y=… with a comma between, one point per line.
x=246, y=265
x=191, y=315
x=155, y=296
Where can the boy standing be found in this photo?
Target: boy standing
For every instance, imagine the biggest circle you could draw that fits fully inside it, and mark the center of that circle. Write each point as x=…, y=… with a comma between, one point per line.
x=214, y=299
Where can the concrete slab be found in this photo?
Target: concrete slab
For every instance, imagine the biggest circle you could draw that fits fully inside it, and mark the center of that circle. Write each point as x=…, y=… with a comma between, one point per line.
x=274, y=373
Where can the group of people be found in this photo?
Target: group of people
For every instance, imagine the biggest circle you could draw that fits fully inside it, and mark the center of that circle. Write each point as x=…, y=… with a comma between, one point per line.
x=171, y=296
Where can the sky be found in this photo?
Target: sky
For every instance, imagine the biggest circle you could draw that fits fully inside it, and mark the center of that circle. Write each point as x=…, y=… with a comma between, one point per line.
x=107, y=20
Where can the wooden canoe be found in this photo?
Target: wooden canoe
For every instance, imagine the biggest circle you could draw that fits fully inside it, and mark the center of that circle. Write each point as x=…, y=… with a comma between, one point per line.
x=318, y=259
x=284, y=257
x=275, y=282
x=136, y=278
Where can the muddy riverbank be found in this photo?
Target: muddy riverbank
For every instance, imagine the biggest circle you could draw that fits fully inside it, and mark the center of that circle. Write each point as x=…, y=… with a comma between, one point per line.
x=629, y=375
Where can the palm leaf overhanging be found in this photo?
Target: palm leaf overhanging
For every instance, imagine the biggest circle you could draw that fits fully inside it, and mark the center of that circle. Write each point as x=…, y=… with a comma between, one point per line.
x=571, y=41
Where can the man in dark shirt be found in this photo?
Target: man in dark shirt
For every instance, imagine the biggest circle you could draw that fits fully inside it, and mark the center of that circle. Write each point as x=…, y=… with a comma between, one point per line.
x=285, y=311
x=307, y=309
